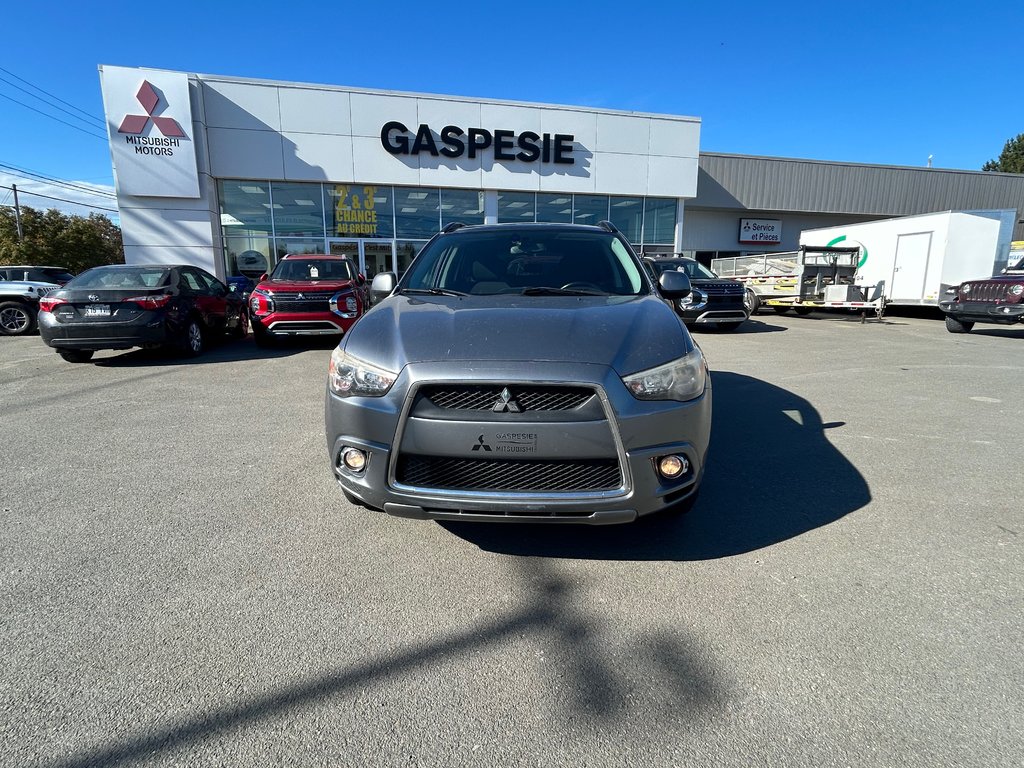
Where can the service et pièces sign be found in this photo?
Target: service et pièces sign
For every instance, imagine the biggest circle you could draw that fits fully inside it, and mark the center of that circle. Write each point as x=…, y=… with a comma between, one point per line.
x=761, y=231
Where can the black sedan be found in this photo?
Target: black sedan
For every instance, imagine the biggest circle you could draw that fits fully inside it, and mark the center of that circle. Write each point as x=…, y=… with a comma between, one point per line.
x=125, y=306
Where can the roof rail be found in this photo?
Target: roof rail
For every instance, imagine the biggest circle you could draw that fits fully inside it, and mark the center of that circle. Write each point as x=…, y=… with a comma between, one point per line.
x=452, y=227
x=608, y=226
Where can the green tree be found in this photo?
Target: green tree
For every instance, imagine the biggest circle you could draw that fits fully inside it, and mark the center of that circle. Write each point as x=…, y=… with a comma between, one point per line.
x=59, y=239
x=1011, y=160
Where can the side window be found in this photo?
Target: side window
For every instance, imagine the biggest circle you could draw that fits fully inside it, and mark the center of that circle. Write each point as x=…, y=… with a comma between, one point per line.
x=211, y=284
x=190, y=281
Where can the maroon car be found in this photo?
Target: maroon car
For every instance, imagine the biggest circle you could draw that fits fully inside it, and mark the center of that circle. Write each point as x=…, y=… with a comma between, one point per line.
x=998, y=299
x=307, y=295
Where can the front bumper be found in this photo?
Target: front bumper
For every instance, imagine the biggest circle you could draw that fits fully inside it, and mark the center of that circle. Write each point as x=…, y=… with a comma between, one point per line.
x=630, y=432
x=983, y=311
x=303, y=323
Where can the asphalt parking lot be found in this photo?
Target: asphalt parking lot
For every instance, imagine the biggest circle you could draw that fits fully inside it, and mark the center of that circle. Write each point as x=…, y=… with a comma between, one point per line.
x=183, y=584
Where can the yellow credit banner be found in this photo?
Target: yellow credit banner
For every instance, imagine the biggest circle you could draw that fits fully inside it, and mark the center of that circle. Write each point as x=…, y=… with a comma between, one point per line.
x=354, y=212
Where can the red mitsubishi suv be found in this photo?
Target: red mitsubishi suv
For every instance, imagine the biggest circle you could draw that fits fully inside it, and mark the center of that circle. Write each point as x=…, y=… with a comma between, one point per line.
x=307, y=295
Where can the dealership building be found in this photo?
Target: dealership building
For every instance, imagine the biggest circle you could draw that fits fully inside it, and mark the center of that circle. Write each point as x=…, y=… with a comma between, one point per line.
x=229, y=174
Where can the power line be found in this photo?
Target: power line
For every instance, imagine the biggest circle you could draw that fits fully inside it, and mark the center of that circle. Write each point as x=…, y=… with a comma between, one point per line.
x=41, y=173
x=60, y=182
x=95, y=135
x=62, y=199
x=58, y=98
x=94, y=124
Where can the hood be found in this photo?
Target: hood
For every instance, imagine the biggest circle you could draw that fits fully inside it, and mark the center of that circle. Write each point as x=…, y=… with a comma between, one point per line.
x=26, y=286
x=304, y=285
x=629, y=334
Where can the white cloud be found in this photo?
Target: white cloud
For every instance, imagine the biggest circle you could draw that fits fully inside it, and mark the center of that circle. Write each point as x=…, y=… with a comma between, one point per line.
x=70, y=201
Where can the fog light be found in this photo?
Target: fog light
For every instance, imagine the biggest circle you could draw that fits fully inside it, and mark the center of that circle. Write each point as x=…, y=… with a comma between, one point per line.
x=354, y=459
x=672, y=466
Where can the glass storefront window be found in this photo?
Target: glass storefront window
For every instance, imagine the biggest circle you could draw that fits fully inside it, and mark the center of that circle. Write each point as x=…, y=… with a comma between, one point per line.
x=244, y=207
x=627, y=213
x=248, y=256
x=406, y=251
x=359, y=210
x=298, y=209
x=417, y=212
x=556, y=208
x=516, y=206
x=463, y=205
x=660, y=220
x=589, y=209
x=286, y=245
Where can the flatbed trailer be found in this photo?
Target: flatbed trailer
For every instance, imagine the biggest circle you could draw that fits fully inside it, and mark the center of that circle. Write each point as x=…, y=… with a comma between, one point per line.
x=815, y=277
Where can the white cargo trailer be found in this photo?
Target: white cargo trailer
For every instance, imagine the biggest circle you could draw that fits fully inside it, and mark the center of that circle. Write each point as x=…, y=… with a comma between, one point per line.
x=914, y=259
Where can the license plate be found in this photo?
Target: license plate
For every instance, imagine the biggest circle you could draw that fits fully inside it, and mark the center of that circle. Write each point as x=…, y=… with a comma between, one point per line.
x=97, y=310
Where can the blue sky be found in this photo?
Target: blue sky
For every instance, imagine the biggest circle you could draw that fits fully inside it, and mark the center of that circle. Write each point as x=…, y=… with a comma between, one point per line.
x=868, y=82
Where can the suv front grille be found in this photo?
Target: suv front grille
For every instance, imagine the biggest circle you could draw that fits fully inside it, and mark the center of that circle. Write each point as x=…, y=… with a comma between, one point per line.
x=532, y=475
x=985, y=291
x=720, y=289
x=311, y=301
x=528, y=398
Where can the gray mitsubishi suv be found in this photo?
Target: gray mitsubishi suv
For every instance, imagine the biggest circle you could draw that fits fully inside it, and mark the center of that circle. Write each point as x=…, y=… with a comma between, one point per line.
x=521, y=372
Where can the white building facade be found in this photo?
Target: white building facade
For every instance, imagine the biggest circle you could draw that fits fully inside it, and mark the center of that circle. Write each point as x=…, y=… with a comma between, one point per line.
x=230, y=174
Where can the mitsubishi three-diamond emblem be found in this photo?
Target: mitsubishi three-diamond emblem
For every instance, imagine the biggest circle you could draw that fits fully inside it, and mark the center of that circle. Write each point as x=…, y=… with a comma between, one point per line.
x=148, y=97
x=506, y=403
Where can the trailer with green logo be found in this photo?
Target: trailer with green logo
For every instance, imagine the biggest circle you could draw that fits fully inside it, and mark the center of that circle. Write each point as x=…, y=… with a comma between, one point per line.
x=911, y=260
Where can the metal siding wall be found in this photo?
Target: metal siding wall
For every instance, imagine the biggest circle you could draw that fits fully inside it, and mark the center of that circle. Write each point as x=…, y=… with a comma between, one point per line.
x=775, y=184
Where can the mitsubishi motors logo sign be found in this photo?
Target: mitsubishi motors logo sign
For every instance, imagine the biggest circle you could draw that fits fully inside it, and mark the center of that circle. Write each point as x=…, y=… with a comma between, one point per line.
x=150, y=100
x=133, y=126
x=149, y=122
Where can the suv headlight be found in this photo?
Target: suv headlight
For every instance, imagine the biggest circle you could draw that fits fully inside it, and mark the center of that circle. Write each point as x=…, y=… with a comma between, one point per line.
x=682, y=379
x=1017, y=290
x=349, y=376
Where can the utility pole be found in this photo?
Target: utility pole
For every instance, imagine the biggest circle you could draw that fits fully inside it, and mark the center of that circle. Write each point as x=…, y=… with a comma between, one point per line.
x=17, y=213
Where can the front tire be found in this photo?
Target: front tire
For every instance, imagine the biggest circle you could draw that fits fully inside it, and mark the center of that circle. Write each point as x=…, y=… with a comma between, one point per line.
x=16, y=319
x=958, y=326
x=242, y=329
x=261, y=336
x=76, y=355
x=752, y=301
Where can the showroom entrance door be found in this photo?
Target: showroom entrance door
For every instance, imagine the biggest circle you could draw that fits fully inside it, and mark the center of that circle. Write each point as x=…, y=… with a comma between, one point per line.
x=372, y=256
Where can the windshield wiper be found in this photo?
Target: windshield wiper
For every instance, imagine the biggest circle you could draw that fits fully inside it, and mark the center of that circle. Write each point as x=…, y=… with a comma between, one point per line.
x=541, y=290
x=435, y=291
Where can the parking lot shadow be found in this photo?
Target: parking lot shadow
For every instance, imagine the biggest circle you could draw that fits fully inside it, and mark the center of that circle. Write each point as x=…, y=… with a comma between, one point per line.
x=228, y=351
x=772, y=474
x=749, y=326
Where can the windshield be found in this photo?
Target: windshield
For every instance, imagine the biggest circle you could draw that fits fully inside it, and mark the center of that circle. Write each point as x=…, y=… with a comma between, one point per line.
x=519, y=261
x=115, y=278
x=693, y=269
x=300, y=270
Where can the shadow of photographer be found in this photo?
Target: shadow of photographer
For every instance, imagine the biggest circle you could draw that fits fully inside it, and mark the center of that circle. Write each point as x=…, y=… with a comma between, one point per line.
x=772, y=474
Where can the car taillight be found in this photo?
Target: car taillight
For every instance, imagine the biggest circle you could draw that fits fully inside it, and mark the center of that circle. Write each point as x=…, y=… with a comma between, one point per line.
x=48, y=305
x=149, y=302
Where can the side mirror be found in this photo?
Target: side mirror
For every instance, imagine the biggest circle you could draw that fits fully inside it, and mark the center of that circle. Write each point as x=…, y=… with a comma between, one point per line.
x=383, y=285
x=674, y=285
x=263, y=277
x=360, y=280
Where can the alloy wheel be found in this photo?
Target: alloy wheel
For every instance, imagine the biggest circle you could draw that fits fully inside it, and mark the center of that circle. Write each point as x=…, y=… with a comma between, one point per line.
x=14, y=320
